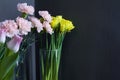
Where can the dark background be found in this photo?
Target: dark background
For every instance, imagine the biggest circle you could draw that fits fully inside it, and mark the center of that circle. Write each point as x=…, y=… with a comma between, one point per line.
x=92, y=50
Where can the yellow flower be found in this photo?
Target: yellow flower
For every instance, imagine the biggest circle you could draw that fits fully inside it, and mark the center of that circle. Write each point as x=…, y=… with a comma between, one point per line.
x=55, y=21
x=66, y=25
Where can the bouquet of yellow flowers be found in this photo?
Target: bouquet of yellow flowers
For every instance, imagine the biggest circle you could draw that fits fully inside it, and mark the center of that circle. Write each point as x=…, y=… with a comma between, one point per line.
x=51, y=39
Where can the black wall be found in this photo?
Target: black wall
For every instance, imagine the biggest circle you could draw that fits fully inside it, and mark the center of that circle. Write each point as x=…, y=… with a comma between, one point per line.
x=115, y=45
x=92, y=50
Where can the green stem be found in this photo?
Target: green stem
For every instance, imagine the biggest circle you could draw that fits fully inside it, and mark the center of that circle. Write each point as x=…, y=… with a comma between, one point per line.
x=24, y=15
x=46, y=41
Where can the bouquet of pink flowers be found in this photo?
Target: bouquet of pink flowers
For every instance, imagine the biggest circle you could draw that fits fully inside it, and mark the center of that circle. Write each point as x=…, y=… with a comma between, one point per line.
x=17, y=35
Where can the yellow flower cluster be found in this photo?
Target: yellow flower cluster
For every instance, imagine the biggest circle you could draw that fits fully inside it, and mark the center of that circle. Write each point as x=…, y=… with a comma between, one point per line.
x=63, y=24
x=66, y=25
x=55, y=21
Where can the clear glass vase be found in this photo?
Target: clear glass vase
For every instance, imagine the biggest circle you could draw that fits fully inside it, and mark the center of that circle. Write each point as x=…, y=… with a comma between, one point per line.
x=49, y=64
x=20, y=72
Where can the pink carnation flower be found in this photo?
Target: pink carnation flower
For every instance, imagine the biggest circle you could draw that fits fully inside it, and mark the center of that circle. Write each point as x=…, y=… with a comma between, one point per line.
x=11, y=27
x=47, y=27
x=24, y=8
x=36, y=22
x=24, y=25
x=45, y=15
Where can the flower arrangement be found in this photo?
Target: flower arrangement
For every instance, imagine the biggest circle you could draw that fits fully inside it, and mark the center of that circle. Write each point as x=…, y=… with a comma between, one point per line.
x=16, y=35
x=51, y=46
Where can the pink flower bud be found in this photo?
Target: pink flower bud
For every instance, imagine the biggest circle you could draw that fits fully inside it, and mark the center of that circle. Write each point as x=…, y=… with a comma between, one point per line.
x=24, y=8
x=36, y=22
x=24, y=25
x=2, y=35
x=14, y=43
x=47, y=27
x=46, y=16
x=11, y=27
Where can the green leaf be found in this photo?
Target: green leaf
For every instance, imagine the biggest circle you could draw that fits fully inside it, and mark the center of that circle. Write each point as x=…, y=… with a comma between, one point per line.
x=2, y=50
x=7, y=64
x=10, y=74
